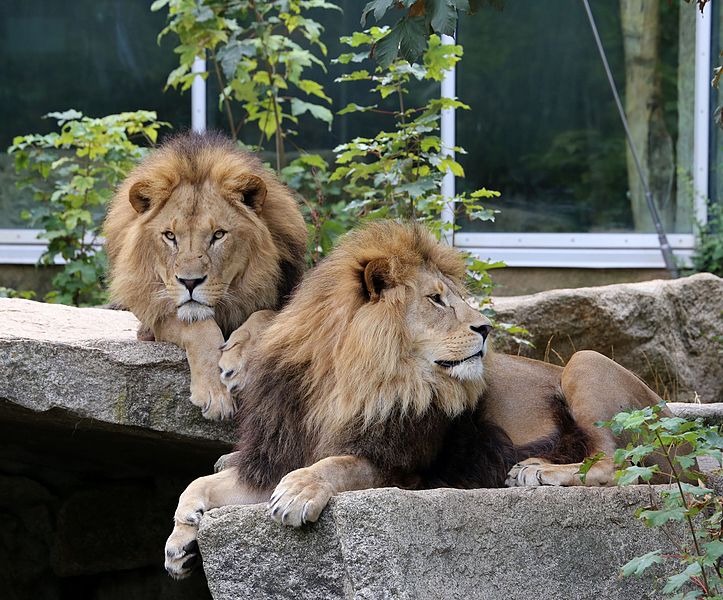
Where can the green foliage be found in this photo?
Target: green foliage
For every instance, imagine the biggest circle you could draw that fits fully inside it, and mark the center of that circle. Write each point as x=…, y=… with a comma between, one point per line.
x=6, y=292
x=678, y=443
x=407, y=38
x=322, y=203
x=261, y=53
x=72, y=174
x=708, y=255
x=398, y=172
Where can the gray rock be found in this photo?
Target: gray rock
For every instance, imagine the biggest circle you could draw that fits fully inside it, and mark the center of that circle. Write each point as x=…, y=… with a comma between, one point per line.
x=543, y=543
x=87, y=362
x=664, y=331
x=712, y=414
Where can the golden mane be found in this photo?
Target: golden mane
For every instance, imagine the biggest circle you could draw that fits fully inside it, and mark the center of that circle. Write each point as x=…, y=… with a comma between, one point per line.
x=354, y=351
x=276, y=233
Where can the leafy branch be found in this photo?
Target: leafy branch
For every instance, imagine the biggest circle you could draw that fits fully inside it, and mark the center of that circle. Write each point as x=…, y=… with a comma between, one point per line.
x=72, y=174
x=679, y=444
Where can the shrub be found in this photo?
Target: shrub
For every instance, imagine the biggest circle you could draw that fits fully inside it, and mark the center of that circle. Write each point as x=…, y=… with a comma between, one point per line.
x=72, y=174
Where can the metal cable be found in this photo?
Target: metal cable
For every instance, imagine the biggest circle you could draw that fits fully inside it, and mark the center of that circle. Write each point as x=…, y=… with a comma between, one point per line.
x=665, y=248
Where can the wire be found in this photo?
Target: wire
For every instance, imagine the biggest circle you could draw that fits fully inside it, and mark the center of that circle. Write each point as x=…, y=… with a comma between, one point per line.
x=665, y=248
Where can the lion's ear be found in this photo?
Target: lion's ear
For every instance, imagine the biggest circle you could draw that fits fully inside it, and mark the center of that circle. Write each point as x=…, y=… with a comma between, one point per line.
x=252, y=191
x=139, y=198
x=377, y=277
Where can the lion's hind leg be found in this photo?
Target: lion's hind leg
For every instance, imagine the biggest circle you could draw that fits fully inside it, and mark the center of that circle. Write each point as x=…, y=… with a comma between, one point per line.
x=594, y=388
x=213, y=491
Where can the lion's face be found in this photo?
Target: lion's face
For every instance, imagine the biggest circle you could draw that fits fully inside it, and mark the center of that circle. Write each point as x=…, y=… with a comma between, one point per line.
x=202, y=252
x=446, y=331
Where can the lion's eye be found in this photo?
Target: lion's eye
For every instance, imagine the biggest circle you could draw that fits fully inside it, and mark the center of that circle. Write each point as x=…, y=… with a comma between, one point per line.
x=169, y=235
x=436, y=299
x=217, y=235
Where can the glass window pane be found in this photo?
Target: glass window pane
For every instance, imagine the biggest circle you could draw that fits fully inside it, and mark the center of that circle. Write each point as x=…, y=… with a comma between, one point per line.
x=97, y=56
x=544, y=129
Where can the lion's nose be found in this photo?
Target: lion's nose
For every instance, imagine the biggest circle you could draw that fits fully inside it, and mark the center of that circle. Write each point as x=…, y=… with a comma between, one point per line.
x=191, y=284
x=483, y=330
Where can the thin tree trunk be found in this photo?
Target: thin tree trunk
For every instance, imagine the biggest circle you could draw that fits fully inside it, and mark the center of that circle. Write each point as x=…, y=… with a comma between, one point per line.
x=643, y=106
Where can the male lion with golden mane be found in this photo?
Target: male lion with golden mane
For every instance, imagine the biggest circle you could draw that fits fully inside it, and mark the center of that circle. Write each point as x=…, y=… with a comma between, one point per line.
x=199, y=236
x=378, y=373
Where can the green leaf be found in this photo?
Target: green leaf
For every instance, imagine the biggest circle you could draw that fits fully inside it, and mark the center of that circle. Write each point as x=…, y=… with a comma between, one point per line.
x=713, y=551
x=442, y=15
x=639, y=564
x=386, y=50
x=587, y=464
x=378, y=7
x=656, y=518
x=313, y=88
x=452, y=165
x=695, y=490
x=413, y=39
x=299, y=107
x=353, y=107
x=630, y=475
x=485, y=193
x=313, y=160
x=675, y=582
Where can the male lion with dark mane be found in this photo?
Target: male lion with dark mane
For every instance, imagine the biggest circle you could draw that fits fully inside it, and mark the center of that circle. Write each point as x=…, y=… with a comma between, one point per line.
x=199, y=236
x=378, y=373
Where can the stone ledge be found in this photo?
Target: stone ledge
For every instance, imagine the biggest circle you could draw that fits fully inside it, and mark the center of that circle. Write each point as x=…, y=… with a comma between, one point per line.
x=86, y=363
x=542, y=543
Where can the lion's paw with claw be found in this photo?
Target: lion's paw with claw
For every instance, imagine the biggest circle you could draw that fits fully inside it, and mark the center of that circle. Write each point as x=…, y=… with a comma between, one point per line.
x=299, y=498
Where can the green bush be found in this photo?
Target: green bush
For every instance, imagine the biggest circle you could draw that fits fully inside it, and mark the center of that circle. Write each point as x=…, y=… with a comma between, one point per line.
x=708, y=255
x=72, y=174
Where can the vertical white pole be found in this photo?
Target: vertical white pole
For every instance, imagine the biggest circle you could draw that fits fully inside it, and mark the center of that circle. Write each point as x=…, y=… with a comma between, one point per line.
x=447, y=135
x=198, y=96
x=701, y=119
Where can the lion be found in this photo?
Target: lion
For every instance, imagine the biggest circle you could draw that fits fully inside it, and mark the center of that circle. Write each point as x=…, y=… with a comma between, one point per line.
x=379, y=373
x=199, y=236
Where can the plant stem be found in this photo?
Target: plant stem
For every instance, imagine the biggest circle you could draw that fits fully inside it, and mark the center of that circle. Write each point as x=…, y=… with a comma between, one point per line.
x=226, y=103
x=271, y=70
x=676, y=476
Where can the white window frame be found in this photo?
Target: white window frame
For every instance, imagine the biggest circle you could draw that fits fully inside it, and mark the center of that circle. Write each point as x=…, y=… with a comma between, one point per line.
x=599, y=250
x=551, y=250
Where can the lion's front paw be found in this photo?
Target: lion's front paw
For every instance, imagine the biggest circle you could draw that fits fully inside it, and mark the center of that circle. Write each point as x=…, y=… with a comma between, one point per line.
x=182, y=554
x=214, y=399
x=182, y=551
x=236, y=350
x=299, y=498
x=525, y=474
x=233, y=360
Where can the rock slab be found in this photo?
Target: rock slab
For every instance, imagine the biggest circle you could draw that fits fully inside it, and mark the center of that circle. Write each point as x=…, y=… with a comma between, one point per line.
x=86, y=362
x=668, y=332
x=542, y=543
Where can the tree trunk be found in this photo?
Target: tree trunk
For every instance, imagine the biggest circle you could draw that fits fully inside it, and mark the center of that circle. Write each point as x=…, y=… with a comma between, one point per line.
x=643, y=106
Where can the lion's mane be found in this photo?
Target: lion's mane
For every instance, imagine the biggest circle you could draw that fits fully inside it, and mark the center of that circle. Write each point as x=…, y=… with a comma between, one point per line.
x=277, y=236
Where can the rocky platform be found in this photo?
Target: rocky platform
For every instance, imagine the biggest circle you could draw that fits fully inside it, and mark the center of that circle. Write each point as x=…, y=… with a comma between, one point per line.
x=544, y=543
x=98, y=438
